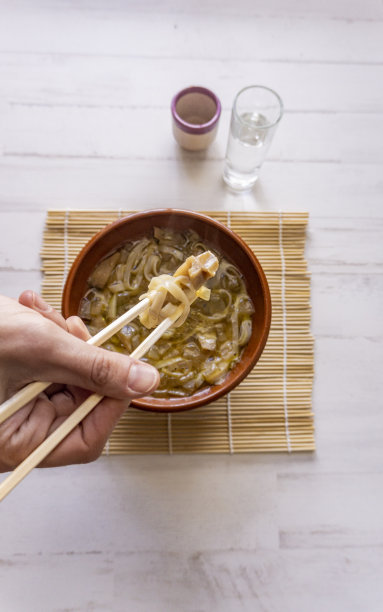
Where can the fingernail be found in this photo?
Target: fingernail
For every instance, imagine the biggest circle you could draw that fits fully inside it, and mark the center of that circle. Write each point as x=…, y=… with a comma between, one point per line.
x=142, y=378
x=40, y=304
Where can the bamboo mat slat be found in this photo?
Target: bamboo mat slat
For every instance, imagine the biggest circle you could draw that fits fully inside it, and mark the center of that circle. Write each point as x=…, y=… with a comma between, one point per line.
x=270, y=411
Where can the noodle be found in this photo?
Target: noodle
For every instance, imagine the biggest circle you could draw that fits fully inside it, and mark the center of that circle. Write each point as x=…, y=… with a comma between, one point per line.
x=206, y=341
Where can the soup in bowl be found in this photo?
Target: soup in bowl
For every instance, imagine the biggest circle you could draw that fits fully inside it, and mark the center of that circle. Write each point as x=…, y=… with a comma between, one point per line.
x=222, y=338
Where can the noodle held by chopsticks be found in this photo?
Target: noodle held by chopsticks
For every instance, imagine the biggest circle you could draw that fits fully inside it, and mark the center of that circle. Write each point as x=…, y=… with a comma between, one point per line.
x=166, y=293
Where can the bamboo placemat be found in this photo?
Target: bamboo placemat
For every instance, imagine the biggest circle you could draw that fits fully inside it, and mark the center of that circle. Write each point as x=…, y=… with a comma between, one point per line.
x=271, y=409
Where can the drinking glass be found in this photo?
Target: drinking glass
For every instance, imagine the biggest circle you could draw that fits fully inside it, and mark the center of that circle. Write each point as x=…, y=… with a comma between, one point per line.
x=254, y=119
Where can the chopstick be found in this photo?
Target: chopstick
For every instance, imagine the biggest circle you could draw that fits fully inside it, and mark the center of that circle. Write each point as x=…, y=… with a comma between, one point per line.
x=28, y=393
x=46, y=447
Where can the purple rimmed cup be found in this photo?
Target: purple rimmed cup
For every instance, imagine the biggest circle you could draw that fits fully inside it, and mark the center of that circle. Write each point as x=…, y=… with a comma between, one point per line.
x=196, y=112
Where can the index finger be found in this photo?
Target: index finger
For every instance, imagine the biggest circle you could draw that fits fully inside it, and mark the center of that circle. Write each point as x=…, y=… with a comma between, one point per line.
x=35, y=302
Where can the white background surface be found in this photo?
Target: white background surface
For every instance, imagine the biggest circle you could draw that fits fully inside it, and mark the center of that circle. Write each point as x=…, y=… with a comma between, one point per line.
x=85, y=88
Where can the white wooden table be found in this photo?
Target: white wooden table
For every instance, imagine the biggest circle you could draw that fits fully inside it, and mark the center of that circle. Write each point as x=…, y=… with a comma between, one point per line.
x=85, y=88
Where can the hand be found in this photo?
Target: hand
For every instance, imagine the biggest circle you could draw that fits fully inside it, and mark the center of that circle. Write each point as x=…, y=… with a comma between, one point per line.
x=35, y=345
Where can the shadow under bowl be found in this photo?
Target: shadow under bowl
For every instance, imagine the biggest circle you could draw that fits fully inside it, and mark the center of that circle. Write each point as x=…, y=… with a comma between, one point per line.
x=215, y=235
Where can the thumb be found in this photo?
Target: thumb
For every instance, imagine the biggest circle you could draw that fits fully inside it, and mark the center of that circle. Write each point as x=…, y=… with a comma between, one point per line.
x=69, y=360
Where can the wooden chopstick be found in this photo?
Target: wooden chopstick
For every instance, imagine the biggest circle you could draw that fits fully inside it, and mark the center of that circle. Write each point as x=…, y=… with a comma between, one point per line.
x=42, y=451
x=28, y=393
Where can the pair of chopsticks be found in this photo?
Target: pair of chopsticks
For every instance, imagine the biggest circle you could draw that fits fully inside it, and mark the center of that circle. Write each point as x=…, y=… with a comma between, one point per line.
x=29, y=392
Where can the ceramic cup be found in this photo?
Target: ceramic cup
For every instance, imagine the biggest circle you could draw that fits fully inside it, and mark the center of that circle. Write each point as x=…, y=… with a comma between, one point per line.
x=195, y=112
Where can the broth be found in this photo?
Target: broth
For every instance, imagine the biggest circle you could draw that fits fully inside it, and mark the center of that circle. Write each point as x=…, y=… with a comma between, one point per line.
x=206, y=346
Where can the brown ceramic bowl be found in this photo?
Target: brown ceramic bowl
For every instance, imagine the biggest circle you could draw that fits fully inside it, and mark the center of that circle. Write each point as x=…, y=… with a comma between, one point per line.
x=212, y=233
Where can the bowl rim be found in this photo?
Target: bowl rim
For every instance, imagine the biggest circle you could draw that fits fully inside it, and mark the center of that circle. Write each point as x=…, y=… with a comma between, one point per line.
x=211, y=393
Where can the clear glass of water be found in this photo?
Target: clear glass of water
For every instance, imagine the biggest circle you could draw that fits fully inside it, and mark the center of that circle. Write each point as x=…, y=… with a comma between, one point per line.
x=254, y=119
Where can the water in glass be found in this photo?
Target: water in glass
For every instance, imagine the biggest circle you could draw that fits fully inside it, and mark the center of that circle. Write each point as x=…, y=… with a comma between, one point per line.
x=246, y=150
